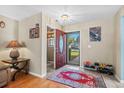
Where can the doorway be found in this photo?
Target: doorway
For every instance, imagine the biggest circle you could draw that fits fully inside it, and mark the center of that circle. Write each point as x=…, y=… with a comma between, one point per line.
x=56, y=49
x=73, y=48
x=50, y=49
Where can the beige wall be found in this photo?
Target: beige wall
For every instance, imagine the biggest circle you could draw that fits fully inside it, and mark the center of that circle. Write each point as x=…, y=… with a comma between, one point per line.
x=33, y=46
x=103, y=51
x=10, y=32
x=118, y=42
x=36, y=49
x=46, y=21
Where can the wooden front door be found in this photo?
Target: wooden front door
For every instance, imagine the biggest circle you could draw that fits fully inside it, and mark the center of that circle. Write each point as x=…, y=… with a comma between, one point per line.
x=60, y=48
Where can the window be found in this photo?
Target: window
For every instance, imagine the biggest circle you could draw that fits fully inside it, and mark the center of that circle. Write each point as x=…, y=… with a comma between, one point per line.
x=50, y=42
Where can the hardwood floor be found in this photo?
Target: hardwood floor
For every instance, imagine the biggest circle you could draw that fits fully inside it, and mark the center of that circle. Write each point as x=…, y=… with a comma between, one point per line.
x=30, y=81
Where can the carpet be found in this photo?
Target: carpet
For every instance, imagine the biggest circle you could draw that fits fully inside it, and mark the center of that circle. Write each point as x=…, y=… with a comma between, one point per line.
x=77, y=78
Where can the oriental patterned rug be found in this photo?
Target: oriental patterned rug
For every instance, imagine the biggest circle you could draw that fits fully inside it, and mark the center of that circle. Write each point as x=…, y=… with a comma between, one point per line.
x=77, y=78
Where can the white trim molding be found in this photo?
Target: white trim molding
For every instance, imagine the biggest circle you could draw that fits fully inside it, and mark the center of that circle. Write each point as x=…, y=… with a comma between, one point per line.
x=121, y=81
x=44, y=75
x=117, y=77
x=38, y=75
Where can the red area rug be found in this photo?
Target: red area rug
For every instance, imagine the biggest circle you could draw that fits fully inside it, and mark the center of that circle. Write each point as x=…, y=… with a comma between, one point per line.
x=77, y=78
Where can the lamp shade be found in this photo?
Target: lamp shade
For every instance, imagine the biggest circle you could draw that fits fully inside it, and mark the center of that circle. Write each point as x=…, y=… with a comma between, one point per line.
x=14, y=44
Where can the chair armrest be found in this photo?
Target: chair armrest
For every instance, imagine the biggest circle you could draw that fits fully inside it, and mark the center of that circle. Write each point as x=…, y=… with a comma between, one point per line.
x=4, y=66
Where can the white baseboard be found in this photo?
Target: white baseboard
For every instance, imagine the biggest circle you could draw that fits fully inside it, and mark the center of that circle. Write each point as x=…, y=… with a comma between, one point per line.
x=44, y=75
x=38, y=75
x=121, y=81
x=117, y=77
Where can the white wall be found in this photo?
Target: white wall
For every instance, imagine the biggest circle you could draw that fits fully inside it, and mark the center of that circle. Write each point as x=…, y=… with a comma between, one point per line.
x=103, y=51
x=10, y=32
x=118, y=66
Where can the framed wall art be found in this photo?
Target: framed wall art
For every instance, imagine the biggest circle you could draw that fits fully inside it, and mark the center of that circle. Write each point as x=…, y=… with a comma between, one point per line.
x=2, y=24
x=95, y=33
x=34, y=32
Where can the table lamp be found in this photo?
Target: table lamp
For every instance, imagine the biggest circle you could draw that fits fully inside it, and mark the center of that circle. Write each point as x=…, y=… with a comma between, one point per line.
x=14, y=54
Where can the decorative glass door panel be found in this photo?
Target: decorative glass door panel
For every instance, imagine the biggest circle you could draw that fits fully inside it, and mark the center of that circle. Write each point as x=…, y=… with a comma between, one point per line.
x=60, y=48
x=61, y=43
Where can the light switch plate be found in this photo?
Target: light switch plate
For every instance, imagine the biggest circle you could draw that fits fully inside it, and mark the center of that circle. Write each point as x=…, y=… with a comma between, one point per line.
x=89, y=46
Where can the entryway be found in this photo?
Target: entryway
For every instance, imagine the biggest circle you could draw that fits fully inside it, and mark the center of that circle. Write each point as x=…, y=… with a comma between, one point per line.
x=56, y=49
x=50, y=50
x=62, y=48
x=73, y=48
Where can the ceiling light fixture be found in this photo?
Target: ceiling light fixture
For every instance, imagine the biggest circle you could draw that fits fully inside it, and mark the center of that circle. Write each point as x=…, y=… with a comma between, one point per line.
x=64, y=17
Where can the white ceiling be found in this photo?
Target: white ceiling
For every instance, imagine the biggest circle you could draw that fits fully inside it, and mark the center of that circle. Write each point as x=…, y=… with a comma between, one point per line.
x=77, y=13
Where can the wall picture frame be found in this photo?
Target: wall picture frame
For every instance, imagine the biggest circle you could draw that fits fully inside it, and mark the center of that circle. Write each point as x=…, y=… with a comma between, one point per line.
x=95, y=34
x=34, y=32
x=2, y=24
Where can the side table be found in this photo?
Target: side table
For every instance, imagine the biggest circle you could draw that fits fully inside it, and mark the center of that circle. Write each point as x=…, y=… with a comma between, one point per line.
x=15, y=65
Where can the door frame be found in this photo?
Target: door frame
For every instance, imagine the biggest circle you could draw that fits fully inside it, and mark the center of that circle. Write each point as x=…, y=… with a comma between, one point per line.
x=72, y=31
x=122, y=49
x=54, y=48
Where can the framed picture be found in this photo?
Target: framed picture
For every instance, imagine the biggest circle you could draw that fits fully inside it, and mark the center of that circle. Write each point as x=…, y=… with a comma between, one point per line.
x=2, y=24
x=37, y=31
x=95, y=33
x=34, y=32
